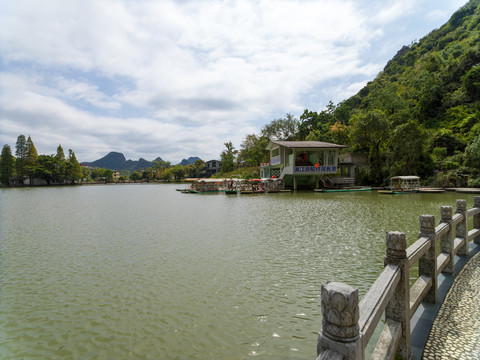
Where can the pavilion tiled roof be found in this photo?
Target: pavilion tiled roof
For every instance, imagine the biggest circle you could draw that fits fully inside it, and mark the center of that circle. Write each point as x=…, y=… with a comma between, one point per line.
x=307, y=144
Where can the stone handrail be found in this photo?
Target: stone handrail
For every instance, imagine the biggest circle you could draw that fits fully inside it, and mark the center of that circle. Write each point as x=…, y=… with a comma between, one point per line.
x=348, y=324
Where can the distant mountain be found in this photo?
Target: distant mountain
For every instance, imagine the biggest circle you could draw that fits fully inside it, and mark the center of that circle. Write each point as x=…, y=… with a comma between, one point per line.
x=189, y=161
x=116, y=161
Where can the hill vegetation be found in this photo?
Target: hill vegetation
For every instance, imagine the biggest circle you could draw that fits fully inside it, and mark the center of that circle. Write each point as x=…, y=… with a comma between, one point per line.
x=419, y=116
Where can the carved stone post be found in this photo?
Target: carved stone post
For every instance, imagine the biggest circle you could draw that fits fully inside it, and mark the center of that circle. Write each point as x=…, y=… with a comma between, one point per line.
x=398, y=308
x=476, y=218
x=340, y=330
x=427, y=264
x=461, y=230
x=446, y=242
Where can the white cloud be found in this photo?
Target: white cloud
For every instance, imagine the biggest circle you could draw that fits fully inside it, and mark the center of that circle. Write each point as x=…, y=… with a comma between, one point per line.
x=196, y=73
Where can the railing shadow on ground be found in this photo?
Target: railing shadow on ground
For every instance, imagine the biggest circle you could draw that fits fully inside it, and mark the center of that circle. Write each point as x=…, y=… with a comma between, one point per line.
x=348, y=324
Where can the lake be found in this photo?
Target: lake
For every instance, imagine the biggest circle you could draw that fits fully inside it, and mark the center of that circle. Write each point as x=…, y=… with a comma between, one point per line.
x=145, y=272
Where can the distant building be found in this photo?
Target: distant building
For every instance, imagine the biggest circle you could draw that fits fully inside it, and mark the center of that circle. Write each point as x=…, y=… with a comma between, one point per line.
x=116, y=175
x=212, y=167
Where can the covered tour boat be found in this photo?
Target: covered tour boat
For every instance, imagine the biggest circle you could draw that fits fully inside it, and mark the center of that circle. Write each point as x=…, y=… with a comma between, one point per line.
x=403, y=185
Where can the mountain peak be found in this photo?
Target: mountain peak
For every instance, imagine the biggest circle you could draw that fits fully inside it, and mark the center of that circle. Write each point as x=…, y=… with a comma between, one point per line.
x=117, y=161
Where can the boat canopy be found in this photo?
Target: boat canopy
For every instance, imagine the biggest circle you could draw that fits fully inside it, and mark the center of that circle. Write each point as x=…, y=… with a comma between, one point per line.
x=408, y=178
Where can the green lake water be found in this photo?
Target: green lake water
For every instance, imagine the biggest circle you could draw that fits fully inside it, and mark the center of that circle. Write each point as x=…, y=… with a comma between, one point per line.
x=146, y=272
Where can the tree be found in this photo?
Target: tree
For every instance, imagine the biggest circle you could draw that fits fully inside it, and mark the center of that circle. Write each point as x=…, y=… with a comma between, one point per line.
x=73, y=171
x=370, y=131
x=20, y=153
x=340, y=133
x=60, y=153
x=178, y=172
x=472, y=154
x=86, y=173
x=30, y=160
x=45, y=168
x=471, y=83
x=316, y=126
x=285, y=129
x=252, y=151
x=61, y=163
x=409, y=150
x=7, y=165
x=108, y=174
x=196, y=170
x=135, y=176
x=228, y=158
x=166, y=175
x=31, y=155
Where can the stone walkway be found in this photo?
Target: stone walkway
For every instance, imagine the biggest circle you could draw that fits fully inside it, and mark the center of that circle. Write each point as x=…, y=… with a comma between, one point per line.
x=455, y=332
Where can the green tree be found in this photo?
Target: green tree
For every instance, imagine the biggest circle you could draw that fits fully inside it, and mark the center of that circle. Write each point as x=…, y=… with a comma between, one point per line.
x=20, y=153
x=108, y=174
x=61, y=163
x=7, y=165
x=370, y=131
x=73, y=170
x=471, y=83
x=45, y=168
x=31, y=152
x=252, y=150
x=282, y=129
x=196, y=170
x=30, y=160
x=166, y=175
x=317, y=126
x=178, y=172
x=86, y=173
x=228, y=158
x=472, y=154
x=409, y=150
x=135, y=176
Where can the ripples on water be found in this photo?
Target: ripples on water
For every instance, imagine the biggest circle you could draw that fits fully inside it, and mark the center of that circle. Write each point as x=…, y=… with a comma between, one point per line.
x=145, y=272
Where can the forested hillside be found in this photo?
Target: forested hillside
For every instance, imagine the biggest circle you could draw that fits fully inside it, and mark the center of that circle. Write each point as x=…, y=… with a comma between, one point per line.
x=419, y=116
x=424, y=108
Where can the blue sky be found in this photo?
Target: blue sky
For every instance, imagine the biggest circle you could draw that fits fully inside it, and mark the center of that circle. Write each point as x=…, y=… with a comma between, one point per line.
x=180, y=78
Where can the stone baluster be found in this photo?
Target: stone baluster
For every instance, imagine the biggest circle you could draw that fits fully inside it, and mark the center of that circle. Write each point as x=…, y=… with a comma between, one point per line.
x=476, y=218
x=446, y=242
x=340, y=335
x=461, y=230
x=427, y=264
x=398, y=308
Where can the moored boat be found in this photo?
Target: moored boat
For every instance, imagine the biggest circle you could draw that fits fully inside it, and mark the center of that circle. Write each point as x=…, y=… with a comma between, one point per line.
x=431, y=190
x=344, y=190
x=202, y=186
x=403, y=185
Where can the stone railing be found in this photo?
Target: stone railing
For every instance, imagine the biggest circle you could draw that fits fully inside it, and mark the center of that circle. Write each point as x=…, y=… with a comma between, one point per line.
x=349, y=324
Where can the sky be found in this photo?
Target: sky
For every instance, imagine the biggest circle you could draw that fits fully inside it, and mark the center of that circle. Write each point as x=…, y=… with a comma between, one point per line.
x=180, y=78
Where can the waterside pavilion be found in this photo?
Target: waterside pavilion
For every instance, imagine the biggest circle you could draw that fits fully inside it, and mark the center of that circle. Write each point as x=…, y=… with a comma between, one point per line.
x=302, y=163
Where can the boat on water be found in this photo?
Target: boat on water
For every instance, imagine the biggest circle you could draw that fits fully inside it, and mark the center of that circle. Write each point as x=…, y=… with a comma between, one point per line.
x=233, y=186
x=256, y=186
x=202, y=186
x=431, y=190
x=403, y=185
x=344, y=190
